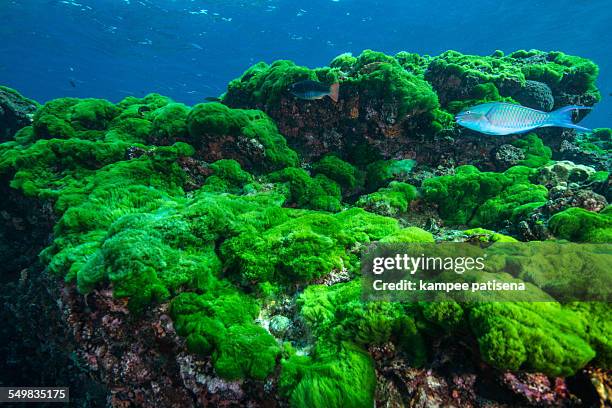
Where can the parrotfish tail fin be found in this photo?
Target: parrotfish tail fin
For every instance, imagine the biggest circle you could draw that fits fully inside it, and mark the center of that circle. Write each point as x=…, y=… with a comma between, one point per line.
x=334, y=91
x=562, y=117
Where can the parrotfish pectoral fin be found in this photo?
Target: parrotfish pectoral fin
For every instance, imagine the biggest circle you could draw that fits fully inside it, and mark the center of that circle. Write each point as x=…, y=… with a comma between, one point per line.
x=562, y=117
x=489, y=113
x=334, y=91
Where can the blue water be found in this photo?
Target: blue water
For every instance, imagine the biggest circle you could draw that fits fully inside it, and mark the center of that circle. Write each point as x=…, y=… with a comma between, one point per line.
x=189, y=50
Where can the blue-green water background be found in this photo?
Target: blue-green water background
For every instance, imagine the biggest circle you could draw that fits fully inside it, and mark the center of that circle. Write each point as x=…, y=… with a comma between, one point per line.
x=191, y=49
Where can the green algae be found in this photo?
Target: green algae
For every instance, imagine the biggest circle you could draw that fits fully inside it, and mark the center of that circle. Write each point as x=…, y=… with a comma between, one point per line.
x=222, y=325
x=306, y=246
x=389, y=201
x=337, y=313
x=556, y=69
x=481, y=93
x=598, y=326
x=503, y=76
x=329, y=378
x=408, y=235
x=488, y=68
x=207, y=122
x=345, y=174
x=485, y=199
x=536, y=153
x=304, y=191
x=126, y=221
x=537, y=336
x=61, y=118
x=485, y=235
x=227, y=176
x=382, y=76
x=381, y=172
x=375, y=73
x=580, y=225
x=412, y=62
x=266, y=83
x=170, y=122
x=598, y=143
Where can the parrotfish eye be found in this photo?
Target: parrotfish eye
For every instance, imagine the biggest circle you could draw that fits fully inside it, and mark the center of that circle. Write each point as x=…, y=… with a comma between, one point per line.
x=467, y=112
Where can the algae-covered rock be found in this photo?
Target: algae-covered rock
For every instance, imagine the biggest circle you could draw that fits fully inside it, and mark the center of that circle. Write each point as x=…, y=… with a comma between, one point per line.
x=388, y=107
x=303, y=246
x=408, y=235
x=536, y=95
x=330, y=378
x=485, y=235
x=378, y=99
x=381, y=172
x=227, y=176
x=580, y=225
x=537, y=336
x=343, y=173
x=15, y=112
x=591, y=149
x=562, y=173
x=535, y=152
x=389, y=201
x=169, y=123
x=224, y=327
x=66, y=118
x=250, y=137
x=484, y=199
x=195, y=225
x=304, y=191
x=456, y=76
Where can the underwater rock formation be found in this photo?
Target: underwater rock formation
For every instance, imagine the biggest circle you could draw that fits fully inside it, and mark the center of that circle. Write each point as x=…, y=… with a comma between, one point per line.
x=536, y=95
x=15, y=112
x=210, y=255
x=218, y=132
x=590, y=149
x=400, y=106
x=378, y=100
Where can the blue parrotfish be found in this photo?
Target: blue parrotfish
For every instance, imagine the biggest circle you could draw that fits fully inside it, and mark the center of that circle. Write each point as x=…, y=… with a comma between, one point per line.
x=498, y=118
x=315, y=90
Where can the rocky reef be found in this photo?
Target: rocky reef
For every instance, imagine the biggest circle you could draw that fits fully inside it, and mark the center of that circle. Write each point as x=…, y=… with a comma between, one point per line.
x=15, y=112
x=210, y=255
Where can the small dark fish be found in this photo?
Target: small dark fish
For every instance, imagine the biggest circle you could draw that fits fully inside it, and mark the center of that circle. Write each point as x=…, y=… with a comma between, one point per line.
x=315, y=90
x=72, y=83
x=498, y=118
x=143, y=109
x=212, y=99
